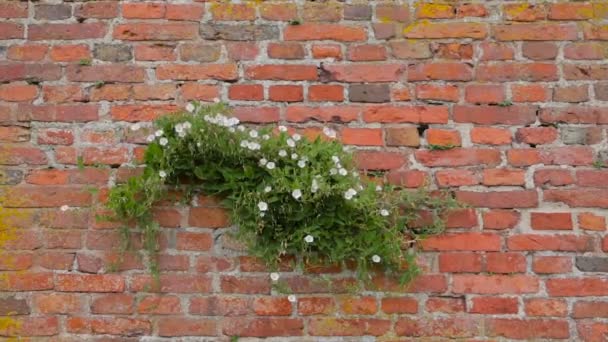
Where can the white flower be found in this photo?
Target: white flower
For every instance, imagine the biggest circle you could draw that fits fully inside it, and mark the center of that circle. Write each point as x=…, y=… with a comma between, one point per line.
x=282, y=153
x=159, y=133
x=135, y=127
x=294, y=156
x=263, y=161
x=333, y=171
x=270, y=165
x=384, y=212
x=315, y=186
x=343, y=172
x=233, y=121
x=162, y=174
x=65, y=207
x=263, y=206
x=262, y=214
x=150, y=138
x=378, y=188
x=181, y=134
x=297, y=193
x=265, y=136
x=335, y=159
x=296, y=137
x=355, y=174
x=274, y=276
x=163, y=141
x=360, y=187
x=301, y=163
x=329, y=132
x=282, y=128
x=309, y=238
x=292, y=298
x=253, y=146
x=186, y=125
x=244, y=143
x=253, y=133
x=231, y=130
x=291, y=143
x=190, y=107
x=198, y=144
x=350, y=193
x=267, y=189
x=376, y=258
x=241, y=128
x=216, y=100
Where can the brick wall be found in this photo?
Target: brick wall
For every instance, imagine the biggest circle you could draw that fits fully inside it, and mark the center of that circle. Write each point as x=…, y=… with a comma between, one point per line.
x=505, y=103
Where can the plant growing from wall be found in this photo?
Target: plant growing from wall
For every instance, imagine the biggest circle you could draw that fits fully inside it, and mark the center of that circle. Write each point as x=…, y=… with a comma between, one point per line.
x=287, y=195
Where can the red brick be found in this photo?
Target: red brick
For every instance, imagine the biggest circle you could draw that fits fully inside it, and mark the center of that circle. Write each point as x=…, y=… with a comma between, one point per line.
x=537, y=242
x=113, y=304
x=358, y=305
x=144, y=10
x=330, y=326
x=372, y=160
x=366, y=53
x=10, y=30
x=463, y=242
x=278, y=11
x=320, y=51
x=399, y=305
x=322, y=92
x=27, y=52
x=13, y=10
x=536, y=135
x=190, y=241
x=67, y=31
x=174, y=283
x=544, y=31
x=447, y=178
x=500, y=219
x=401, y=114
x=458, y=157
x=159, y=305
x=70, y=53
x=505, y=262
x=500, y=199
x=571, y=94
x=289, y=72
x=496, y=177
x=552, y=264
x=545, y=307
x=457, y=327
x=314, y=31
x=503, y=72
x=228, y=11
x=30, y=326
x=157, y=31
x=271, y=306
x=591, y=221
x=460, y=262
x=438, y=92
x=527, y=329
x=17, y=92
x=324, y=114
x=590, y=309
x=286, y=93
x=440, y=30
x=445, y=304
x=203, y=92
x=530, y=93
x=495, y=115
x=490, y=136
x=494, y=305
x=286, y=50
x=197, y=72
x=246, y=92
x=97, y=9
x=155, y=52
x=551, y=221
x=220, y=306
x=495, y=284
x=208, y=217
x=485, y=94
x=89, y=283
x=442, y=137
x=445, y=71
x=58, y=303
x=362, y=136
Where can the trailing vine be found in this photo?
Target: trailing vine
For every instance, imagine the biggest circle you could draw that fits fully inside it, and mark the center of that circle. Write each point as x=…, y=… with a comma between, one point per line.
x=287, y=195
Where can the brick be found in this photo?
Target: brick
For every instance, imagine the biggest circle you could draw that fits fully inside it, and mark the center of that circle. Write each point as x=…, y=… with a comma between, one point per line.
x=570, y=11
x=246, y=92
x=486, y=94
x=208, y=217
x=373, y=160
x=112, y=52
x=435, y=11
x=262, y=327
x=282, y=72
x=330, y=326
x=55, y=137
x=89, y=283
x=490, y=136
x=31, y=326
x=460, y=262
x=505, y=263
x=256, y=114
x=536, y=242
x=585, y=50
x=494, y=305
x=407, y=179
x=195, y=91
x=546, y=307
x=97, y=9
x=13, y=306
x=439, y=92
x=27, y=52
x=591, y=331
x=189, y=12
x=495, y=115
x=391, y=13
x=536, y=135
x=324, y=114
x=314, y=31
x=369, y=93
x=403, y=136
x=448, y=178
x=63, y=94
x=445, y=304
x=571, y=94
x=591, y=221
x=535, y=32
x=159, y=305
x=578, y=197
x=406, y=114
x=399, y=305
x=66, y=31
x=157, y=31
x=37, y=72
x=58, y=303
x=106, y=73
x=497, y=51
x=530, y=93
x=320, y=51
x=171, y=282
x=18, y=93
x=144, y=10
x=358, y=73
x=551, y=221
x=574, y=114
x=458, y=157
x=452, y=50
x=527, y=329
x=232, y=12
x=384, y=30
x=70, y=53
x=278, y=11
x=52, y=12
x=322, y=92
x=11, y=31
x=495, y=284
x=590, y=309
x=443, y=137
x=366, y=52
x=458, y=327
x=448, y=71
x=575, y=287
x=241, y=32
x=362, y=136
x=200, y=52
x=584, y=72
x=502, y=72
x=286, y=51
x=286, y=93
x=497, y=177
x=113, y=304
x=439, y=30
x=500, y=200
x=14, y=134
x=197, y=72
x=591, y=264
x=155, y=52
x=220, y=306
x=462, y=242
x=13, y=10
x=524, y=12
x=539, y=50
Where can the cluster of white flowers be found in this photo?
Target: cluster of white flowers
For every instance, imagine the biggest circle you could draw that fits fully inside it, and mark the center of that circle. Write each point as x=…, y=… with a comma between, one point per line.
x=263, y=206
x=376, y=258
x=350, y=193
x=309, y=239
x=338, y=169
x=384, y=212
x=252, y=145
x=222, y=120
x=162, y=174
x=315, y=186
x=182, y=128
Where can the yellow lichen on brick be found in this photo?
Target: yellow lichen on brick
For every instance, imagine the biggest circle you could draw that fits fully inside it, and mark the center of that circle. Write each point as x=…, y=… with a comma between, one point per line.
x=434, y=10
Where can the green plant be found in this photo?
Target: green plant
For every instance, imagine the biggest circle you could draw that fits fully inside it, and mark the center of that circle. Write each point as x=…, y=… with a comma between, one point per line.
x=287, y=195
x=598, y=164
x=505, y=103
x=433, y=147
x=84, y=62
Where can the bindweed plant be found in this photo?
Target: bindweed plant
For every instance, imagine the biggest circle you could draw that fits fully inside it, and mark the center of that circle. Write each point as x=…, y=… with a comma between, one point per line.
x=287, y=195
